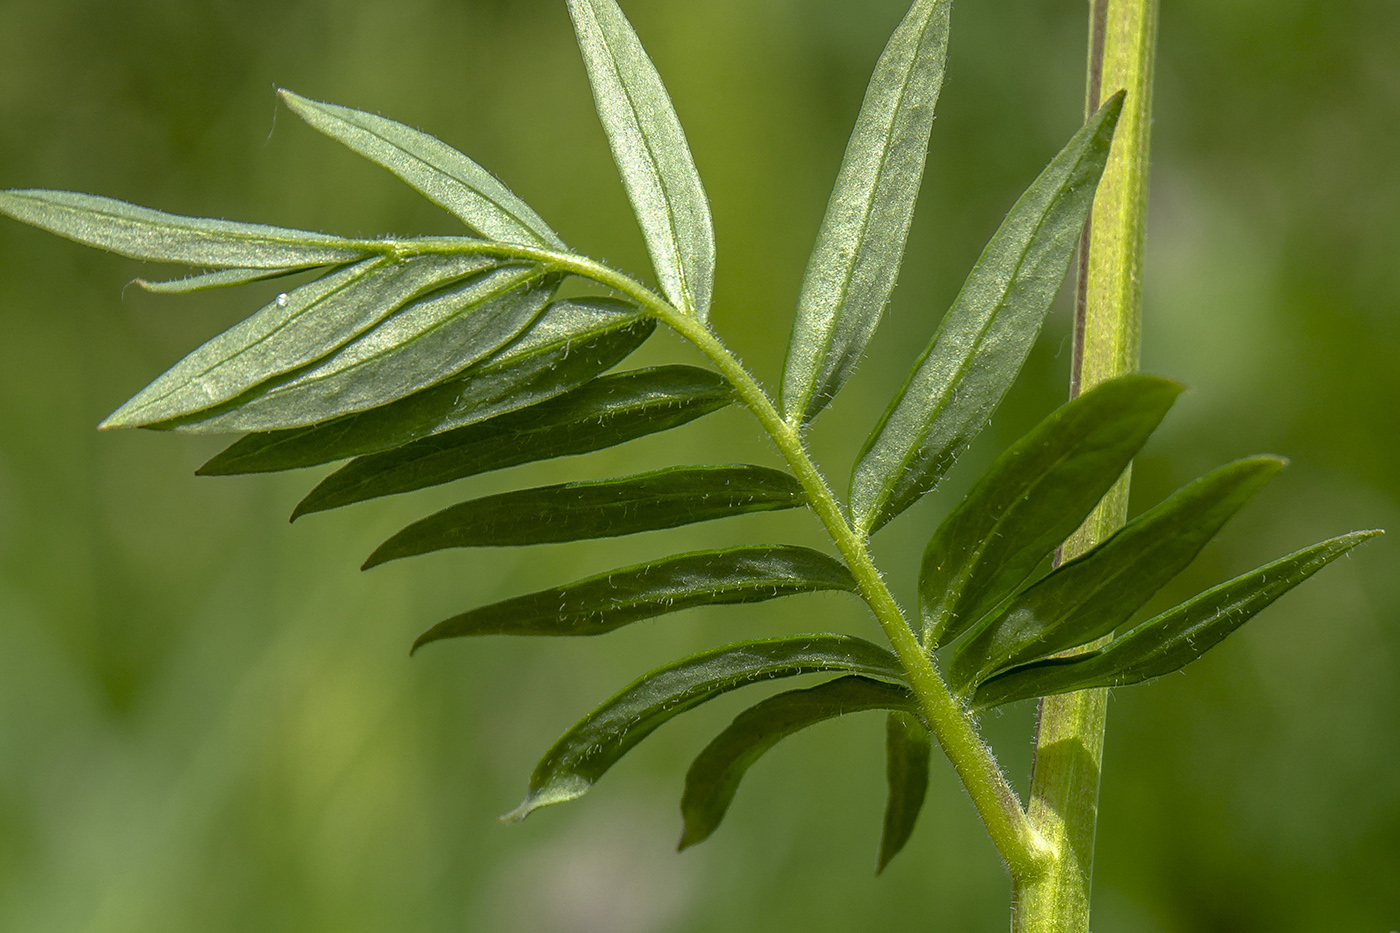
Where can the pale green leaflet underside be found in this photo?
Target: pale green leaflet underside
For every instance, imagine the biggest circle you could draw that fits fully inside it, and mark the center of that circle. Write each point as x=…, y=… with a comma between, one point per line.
x=853, y=268
x=651, y=153
x=434, y=359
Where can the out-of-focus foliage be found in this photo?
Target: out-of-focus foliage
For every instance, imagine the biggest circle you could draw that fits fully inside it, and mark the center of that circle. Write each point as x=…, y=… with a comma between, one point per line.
x=206, y=718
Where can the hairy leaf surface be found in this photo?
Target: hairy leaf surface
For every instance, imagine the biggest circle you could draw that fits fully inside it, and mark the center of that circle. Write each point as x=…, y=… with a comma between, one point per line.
x=442, y=174
x=584, y=753
x=142, y=233
x=223, y=278
x=649, y=147
x=1172, y=640
x=908, y=746
x=860, y=245
x=570, y=343
x=609, y=601
x=1091, y=596
x=291, y=332
x=1033, y=497
x=426, y=342
x=714, y=777
x=984, y=338
x=602, y=413
x=597, y=509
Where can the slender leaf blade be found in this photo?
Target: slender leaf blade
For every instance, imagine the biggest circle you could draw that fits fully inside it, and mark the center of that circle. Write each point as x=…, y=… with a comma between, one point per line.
x=985, y=337
x=142, y=233
x=223, y=278
x=597, y=509
x=602, y=603
x=424, y=343
x=293, y=331
x=1093, y=595
x=607, y=411
x=908, y=746
x=570, y=343
x=651, y=152
x=1170, y=641
x=860, y=246
x=1033, y=497
x=584, y=753
x=714, y=776
x=442, y=174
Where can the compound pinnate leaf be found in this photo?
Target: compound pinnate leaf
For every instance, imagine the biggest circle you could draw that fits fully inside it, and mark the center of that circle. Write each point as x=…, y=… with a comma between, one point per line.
x=442, y=174
x=860, y=246
x=608, y=601
x=908, y=746
x=223, y=278
x=570, y=343
x=1170, y=641
x=295, y=330
x=142, y=233
x=597, y=509
x=425, y=342
x=602, y=413
x=1093, y=595
x=714, y=777
x=652, y=155
x=584, y=753
x=1033, y=497
x=984, y=338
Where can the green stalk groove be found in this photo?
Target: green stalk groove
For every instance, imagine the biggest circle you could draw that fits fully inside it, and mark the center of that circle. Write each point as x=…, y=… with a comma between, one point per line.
x=1070, y=729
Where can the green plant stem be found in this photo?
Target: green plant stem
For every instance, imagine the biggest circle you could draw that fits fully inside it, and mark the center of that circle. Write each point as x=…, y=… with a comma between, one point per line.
x=1070, y=730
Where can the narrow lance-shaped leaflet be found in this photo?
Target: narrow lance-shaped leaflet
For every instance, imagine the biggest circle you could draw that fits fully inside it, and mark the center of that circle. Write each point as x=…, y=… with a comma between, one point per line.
x=1031, y=498
x=853, y=267
x=1170, y=641
x=715, y=775
x=569, y=344
x=584, y=753
x=597, y=509
x=985, y=337
x=607, y=411
x=1093, y=595
x=652, y=155
x=442, y=174
x=608, y=601
x=908, y=747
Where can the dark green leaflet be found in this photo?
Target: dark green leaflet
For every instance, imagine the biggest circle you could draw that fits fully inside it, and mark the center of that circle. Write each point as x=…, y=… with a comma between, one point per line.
x=597, y=509
x=1088, y=598
x=598, y=414
x=584, y=753
x=442, y=174
x=224, y=278
x=714, y=777
x=652, y=155
x=426, y=342
x=142, y=233
x=293, y=331
x=1172, y=640
x=984, y=338
x=609, y=601
x=908, y=746
x=854, y=265
x=1031, y=498
x=570, y=343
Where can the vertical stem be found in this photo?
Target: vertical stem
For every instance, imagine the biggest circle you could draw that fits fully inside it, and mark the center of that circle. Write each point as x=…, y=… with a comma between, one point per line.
x=1070, y=728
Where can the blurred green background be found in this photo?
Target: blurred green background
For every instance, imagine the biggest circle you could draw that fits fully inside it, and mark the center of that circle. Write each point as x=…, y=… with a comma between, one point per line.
x=208, y=721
